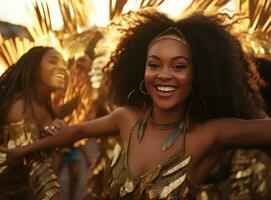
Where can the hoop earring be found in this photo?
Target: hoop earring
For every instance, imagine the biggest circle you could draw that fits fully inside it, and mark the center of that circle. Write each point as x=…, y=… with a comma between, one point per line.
x=204, y=103
x=129, y=95
x=141, y=88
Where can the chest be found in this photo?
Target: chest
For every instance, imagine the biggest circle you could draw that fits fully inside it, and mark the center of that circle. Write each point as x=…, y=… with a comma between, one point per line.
x=146, y=155
x=165, y=181
x=42, y=115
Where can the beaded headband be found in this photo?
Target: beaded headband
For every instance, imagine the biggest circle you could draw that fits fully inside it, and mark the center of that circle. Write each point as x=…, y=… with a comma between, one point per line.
x=169, y=34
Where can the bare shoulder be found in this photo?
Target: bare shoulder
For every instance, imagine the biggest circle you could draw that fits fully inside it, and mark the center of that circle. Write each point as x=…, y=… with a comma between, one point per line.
x=206, y=135
x=128, y=113
x=126, y=117
x=17, y=111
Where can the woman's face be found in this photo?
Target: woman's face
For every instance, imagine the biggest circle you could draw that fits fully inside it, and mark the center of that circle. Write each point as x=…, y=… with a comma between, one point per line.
x=168, y=73
x=53, y=70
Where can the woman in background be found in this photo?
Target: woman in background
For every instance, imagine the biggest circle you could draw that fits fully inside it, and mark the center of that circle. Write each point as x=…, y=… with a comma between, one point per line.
x=26, y=117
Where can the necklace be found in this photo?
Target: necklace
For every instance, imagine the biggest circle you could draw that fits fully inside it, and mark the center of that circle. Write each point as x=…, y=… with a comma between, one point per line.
x=179, y=130
x=162, y=126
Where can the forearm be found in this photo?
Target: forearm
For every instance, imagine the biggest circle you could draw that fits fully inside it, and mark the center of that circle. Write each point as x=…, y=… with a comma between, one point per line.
x=247, y=133
x=69, y=135
x=64, y=137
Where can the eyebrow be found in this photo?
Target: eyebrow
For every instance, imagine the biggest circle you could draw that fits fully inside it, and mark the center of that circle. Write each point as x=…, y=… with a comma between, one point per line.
x=174, y=58
x=57, y=57
x=53, y=56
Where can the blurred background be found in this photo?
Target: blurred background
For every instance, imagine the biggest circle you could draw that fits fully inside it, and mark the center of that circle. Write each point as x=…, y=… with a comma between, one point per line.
x=78, y=27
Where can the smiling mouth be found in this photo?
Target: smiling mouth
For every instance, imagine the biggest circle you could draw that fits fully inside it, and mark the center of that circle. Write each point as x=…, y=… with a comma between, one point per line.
x=59, y=76
x=164, y=88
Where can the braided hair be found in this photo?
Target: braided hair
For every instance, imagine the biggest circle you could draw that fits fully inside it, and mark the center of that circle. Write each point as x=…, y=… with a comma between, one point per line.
x=20, y=80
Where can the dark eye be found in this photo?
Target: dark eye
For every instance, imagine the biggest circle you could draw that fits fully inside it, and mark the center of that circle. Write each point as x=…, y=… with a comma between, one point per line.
x=153, y=65
x=53, y=61
x=179, y=66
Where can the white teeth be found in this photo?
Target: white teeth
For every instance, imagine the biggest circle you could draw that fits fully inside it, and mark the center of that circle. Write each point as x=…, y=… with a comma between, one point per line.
x=166, y=88
x=59, y=76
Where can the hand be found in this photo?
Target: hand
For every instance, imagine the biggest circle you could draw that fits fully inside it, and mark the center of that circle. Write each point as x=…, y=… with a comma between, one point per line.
x=13, y=158
x=53, y=128
x=84, y=62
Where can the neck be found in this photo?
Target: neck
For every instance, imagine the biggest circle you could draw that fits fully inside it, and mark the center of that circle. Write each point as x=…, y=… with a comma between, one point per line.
x=42, y=96
x=168, y=116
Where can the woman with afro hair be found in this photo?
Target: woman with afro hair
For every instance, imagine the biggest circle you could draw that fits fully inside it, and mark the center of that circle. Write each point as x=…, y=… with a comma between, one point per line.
x=186, y=93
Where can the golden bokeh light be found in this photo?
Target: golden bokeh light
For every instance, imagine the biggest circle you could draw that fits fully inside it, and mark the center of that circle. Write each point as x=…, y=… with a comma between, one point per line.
x=54, y=22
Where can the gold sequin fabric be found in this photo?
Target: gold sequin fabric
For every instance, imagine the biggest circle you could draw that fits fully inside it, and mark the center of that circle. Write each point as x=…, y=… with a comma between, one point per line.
x=35, y=174
x=249, y=178
x=250, y=175
x=166, y=181
x=99, y=169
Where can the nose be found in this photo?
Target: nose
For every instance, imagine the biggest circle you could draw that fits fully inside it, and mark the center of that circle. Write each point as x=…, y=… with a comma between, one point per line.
x=62, y=66
x=164, y=73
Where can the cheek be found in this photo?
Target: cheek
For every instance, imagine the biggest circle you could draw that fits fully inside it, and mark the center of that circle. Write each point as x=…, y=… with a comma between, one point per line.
x=185, y=77
x=148, y=79
x=45, y=76
x=149, y=74
x=185, y=82
x=42, y=75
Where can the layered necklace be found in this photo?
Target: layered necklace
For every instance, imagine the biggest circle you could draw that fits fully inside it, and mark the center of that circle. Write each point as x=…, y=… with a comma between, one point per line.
x=178, y=126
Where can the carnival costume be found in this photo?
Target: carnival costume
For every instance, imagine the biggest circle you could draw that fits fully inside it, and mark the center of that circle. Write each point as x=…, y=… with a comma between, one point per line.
x=35, y=174
x=167, y=181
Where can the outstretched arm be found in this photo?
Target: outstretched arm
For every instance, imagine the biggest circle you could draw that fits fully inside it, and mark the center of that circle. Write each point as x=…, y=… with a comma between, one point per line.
x=244, y=133
x=104, y=126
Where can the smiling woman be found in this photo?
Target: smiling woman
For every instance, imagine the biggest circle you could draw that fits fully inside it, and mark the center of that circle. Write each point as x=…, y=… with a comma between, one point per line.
x=186, y=93
x=53, y=71
x=25, y=90
x=168, y=72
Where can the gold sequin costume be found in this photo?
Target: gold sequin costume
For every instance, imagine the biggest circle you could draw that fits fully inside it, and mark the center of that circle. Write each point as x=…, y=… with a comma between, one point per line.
x=100, y=163
x=95, y=185
x=250, y=175
x=36, y=174
x=166, y=181
x=249, y=178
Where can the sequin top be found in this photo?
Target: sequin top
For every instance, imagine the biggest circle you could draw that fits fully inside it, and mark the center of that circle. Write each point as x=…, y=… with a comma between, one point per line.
x=35, y=174
x=167, y=181
x=249, y=177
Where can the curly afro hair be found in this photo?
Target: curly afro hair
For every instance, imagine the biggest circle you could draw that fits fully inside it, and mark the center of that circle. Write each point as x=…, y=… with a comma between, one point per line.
x=225, y=83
